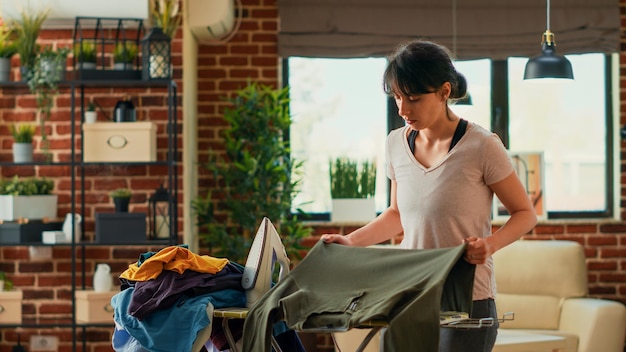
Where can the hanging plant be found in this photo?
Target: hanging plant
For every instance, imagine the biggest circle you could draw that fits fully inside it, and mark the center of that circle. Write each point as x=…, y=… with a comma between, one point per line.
x=43, y=82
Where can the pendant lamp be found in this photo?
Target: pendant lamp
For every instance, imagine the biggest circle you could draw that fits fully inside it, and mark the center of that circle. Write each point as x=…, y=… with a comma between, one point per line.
x=548, y=64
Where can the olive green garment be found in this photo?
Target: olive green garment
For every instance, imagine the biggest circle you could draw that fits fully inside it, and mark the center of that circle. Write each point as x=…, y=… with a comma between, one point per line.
x=340, y=287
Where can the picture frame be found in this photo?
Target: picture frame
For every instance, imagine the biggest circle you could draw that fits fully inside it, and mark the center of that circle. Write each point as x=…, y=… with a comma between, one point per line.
x=530, y=169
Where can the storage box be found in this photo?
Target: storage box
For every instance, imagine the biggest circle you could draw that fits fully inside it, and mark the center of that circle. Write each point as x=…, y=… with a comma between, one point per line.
x=31, y=232
x=121, y=227
x=119, y=142
x=11, y=307
x=28, y=207
x=94, y=307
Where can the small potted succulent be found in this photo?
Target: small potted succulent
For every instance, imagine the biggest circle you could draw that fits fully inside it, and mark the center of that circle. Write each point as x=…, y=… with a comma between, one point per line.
x=91, y=115
x=121, y=199
x=22, y=142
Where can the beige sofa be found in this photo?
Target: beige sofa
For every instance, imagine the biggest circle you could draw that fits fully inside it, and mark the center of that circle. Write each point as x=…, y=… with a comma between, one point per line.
x=544, y=283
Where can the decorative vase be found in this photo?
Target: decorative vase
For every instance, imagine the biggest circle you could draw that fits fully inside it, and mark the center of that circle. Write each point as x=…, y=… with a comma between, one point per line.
x=70, y=219
x=102, y=281
x=121, y=204
x=5, y=69
x=22, y=152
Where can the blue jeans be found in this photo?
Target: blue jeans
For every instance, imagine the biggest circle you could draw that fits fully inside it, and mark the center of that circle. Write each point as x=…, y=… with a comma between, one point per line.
x=472, y=339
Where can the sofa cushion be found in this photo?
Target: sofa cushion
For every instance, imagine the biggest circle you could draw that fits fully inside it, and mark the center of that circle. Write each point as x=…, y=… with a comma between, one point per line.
x=531, y=311
x=541, y=268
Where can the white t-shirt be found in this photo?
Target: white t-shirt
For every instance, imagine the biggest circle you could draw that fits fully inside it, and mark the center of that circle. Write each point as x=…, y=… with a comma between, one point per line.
x=442, y=205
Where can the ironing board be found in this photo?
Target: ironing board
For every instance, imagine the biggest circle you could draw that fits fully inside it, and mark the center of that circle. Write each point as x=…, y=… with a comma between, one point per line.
x=446, y=319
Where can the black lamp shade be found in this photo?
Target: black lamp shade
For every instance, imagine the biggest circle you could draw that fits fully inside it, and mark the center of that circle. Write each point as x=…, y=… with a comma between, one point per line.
x=548, y=64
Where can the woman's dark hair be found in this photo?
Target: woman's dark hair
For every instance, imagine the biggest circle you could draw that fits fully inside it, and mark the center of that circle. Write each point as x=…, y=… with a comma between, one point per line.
x=421, y=67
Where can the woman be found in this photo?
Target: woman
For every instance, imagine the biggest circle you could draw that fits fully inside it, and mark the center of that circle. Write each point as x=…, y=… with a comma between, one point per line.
x=444, y=172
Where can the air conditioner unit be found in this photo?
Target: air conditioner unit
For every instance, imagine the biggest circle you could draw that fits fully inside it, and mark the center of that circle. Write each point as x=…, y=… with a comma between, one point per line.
x=210, y=20
x=62, y=13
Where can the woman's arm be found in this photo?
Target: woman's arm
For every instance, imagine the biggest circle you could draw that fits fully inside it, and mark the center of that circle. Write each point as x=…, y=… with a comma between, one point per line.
x=523, y=218
x=384, y=227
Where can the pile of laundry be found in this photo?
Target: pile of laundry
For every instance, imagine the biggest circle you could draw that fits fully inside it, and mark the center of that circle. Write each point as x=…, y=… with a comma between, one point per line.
x=167, y=299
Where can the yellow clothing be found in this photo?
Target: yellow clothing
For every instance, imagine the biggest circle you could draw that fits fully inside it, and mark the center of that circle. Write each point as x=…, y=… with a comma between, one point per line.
x=173, y=258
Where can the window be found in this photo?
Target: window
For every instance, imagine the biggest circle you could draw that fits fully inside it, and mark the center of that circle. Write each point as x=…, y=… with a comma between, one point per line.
x=567, y=121
x=340, y=109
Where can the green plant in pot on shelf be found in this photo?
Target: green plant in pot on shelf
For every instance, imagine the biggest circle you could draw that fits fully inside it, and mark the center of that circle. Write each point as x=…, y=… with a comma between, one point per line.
x=43, y=83
x=121, y=199
x=27, y=29
x=8, y=48
x=26, y=187
x=22, y=142
x=5, y=283
x=124, y=55
x=27, y=198
x=254, y=177
x=85, y=54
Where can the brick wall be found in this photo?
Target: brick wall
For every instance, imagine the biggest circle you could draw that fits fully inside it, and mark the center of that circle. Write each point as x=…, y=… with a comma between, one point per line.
x=223, y=68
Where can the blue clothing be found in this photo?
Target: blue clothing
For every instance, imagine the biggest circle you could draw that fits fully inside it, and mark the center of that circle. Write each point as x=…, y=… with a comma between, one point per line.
x=176, y=328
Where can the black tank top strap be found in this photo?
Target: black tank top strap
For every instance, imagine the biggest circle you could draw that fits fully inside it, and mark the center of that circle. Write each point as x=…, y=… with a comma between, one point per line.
x=458, y=133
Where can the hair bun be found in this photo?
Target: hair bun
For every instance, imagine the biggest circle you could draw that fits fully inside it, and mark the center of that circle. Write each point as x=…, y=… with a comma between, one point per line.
x=459, y=90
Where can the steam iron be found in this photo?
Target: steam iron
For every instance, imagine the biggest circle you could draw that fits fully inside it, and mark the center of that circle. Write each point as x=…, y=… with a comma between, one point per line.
x=267, y=249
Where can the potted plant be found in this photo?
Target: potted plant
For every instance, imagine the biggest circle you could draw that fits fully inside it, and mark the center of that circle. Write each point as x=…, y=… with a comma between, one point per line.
x=8, y=48
x=52, y=63
x=5, y=283
x=352, y=188
x=43, y=83
x=27, y=198
x=165, y=16
x=254, y=176
x=124, y=55
x=85, y=54
x=121, y=199
x=91, y=115
x=27, y=29
x=22, y=142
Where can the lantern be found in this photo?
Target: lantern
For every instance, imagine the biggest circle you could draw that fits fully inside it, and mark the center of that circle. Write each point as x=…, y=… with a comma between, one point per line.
x=155, y=55
x=159, y=215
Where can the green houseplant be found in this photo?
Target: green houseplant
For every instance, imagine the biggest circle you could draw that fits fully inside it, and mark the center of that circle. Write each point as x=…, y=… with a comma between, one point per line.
x=43, y=83
x=255, y=176
x=121, y=199
x=8, y=48
x=29, y=198
x=85, y=54
x=6, y=283
x=124, y=55
x=22, y=142
x=27, y=29
x=165, y=16
x=352, y=189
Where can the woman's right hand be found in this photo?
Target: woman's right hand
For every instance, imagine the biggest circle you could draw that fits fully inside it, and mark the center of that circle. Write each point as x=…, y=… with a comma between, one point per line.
x=336, y=238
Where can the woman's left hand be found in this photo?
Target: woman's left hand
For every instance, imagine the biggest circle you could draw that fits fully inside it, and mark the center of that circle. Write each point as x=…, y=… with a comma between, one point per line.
x=477, y=250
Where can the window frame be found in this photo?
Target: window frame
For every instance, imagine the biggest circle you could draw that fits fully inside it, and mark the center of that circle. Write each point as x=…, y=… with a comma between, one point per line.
x=500, y=125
